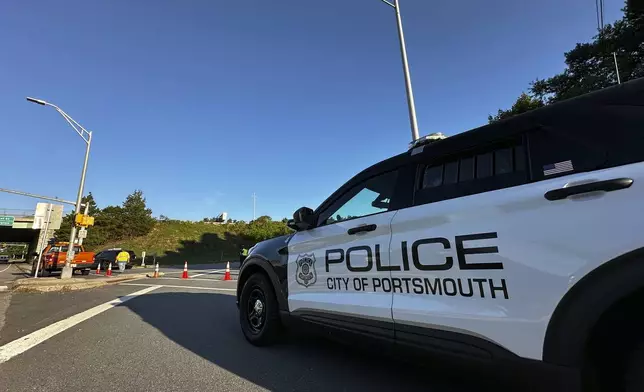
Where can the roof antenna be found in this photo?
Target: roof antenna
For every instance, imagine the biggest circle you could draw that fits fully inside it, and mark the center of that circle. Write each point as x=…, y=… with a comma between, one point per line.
x=427, y=139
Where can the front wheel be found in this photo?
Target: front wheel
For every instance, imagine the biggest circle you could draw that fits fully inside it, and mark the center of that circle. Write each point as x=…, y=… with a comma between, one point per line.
x=258, y=311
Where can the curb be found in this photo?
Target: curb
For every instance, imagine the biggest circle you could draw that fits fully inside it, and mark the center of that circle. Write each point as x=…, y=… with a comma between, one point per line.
x=58, y=285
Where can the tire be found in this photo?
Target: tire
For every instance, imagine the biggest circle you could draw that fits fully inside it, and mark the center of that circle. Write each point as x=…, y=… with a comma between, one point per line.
x=85, y=272
x=258, y=311
x=634, y=369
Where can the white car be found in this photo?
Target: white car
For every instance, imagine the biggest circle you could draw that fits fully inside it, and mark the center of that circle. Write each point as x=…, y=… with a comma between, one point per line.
x=4, y=258
x=520, y=242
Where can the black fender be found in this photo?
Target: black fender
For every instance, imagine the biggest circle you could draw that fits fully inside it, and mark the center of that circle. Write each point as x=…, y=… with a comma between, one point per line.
x=580, y=309
x=259, y=264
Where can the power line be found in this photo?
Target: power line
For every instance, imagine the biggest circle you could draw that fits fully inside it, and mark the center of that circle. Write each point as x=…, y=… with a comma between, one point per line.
x=599, y=9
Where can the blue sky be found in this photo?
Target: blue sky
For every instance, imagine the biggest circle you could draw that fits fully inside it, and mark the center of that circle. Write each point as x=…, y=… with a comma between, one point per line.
x=200, y=103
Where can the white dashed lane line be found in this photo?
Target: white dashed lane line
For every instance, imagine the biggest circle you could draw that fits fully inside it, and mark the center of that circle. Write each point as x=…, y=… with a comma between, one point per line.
x=178, y=287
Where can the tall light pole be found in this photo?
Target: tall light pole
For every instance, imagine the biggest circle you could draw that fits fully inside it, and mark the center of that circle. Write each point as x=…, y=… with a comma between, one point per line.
x=403, y=52
x=87, y=137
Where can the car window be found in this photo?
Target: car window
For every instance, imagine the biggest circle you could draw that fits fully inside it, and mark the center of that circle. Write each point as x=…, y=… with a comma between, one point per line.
x=64, y=248
x=370, y=197
x=494, y=168
x=433, y=176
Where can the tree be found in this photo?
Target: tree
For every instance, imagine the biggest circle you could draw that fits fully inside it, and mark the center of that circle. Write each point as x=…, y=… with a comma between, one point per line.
x=137, y=218
x=64, y=232
x=93, y=208
x=113, y=223
x=523, y=104
x=590, y=66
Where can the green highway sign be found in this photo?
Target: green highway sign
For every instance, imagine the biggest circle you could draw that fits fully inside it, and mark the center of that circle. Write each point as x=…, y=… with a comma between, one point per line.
x=6, y=220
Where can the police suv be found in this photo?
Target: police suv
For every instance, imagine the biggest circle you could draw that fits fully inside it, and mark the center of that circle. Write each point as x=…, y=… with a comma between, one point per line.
x=519, y=241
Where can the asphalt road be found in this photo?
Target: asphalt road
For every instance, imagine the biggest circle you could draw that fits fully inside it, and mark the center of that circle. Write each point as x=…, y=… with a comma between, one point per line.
x=9, y=272
x=184, y=335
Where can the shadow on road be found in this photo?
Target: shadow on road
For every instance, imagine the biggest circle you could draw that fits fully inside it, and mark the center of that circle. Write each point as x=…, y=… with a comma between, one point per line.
x=211, y=248
x=207, y=324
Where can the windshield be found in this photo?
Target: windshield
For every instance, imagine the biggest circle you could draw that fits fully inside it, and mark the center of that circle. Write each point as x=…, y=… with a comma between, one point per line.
x=64, y=248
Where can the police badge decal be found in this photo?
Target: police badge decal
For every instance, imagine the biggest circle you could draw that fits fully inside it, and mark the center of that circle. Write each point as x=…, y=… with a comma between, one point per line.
x=305, y=274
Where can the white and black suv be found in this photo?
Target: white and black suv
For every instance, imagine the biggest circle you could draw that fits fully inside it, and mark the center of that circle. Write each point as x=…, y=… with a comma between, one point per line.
x=522, y=240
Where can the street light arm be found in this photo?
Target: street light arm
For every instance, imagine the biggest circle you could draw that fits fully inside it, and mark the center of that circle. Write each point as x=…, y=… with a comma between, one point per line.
x=388, y=3
x=72, y=122
x=66, y=116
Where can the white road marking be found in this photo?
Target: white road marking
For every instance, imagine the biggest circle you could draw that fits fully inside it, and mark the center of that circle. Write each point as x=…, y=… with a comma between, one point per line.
x=181, y=271
x=178, y=287
x=190, y=278
x=24, y=343
x=208, y=273
x=9, y=266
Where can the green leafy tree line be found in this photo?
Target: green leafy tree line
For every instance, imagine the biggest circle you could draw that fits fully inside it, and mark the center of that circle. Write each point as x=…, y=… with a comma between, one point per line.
x=112, y=223
x=263, y=228
x=590, y=66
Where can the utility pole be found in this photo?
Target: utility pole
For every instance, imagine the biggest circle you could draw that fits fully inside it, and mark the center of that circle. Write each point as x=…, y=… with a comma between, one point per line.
x=254, y=202
x=616, y=68
x=411, y=106
x=87, y=138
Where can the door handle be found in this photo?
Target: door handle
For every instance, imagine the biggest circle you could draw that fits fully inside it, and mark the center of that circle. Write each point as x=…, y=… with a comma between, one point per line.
x=361, y=229
x=604, y=186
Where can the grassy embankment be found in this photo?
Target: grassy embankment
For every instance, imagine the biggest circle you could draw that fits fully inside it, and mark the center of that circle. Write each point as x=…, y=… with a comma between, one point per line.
x=173, y=242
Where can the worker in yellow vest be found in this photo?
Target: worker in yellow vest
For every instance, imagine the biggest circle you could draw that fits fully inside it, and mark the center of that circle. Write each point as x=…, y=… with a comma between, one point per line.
x=243, y=253
x=122, y=258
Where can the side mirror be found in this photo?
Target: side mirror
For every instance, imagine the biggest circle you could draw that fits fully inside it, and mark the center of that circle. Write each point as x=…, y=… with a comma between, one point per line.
x=303, y=219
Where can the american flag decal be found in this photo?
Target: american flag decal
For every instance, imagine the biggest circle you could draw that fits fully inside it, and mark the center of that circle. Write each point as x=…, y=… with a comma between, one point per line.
x=556, y=168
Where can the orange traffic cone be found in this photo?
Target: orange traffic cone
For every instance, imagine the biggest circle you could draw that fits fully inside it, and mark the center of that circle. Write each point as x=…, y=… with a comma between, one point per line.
x=98, y=269
x=156, y=271
x=185, y=271
x=227, y=274
x=109, y=270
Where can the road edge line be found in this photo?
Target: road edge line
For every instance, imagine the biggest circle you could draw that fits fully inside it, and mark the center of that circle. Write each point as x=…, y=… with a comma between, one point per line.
x=22, y=344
